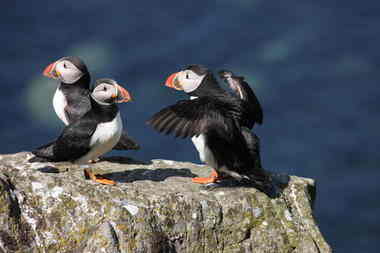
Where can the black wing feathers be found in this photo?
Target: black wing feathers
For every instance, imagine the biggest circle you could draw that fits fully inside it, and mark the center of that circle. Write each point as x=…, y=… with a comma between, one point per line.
x=189, y=118
x=241, y=88
x=229, y=148
x=254, y=104
x=73, y=143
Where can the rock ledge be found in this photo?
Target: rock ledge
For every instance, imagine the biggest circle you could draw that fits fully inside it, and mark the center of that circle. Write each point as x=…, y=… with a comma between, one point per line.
x=153, y=208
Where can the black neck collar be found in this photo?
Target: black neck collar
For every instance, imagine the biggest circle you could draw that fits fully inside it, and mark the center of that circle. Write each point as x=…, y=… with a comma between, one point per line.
x=208, y=87
x=104, y=112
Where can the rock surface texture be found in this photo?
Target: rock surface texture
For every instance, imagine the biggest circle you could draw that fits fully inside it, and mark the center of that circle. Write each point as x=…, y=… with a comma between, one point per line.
x=46, y=207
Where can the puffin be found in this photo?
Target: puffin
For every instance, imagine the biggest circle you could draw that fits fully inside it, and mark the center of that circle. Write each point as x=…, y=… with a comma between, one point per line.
x=214, y=120
x=72, y=96
x=242, y=90
x=92, y=135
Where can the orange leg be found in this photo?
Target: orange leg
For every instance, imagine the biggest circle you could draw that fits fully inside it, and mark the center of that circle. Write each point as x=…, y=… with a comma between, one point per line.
x=98, y=178
x=94, y=161
x=207, y=180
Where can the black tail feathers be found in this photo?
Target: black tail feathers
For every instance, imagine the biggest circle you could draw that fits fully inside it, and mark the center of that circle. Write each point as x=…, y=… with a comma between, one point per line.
x=36, y=159
x=44, y=153
x=126, y=143
x=269, y=183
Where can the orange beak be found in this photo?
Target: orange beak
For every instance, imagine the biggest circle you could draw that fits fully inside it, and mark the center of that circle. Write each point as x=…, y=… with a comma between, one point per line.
x=122, y=95
x=172, y=82
x=50, y=71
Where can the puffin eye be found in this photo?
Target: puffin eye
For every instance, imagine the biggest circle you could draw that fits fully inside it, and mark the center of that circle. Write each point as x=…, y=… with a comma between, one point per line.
x=64, y=65
x=187, y=76
x=104, y=88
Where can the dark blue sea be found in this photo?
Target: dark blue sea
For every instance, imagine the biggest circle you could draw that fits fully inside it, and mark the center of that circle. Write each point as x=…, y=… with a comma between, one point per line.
x=314, y=66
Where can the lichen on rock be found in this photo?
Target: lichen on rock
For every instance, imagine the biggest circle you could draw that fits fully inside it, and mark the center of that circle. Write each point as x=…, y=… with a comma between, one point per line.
x=47, y=207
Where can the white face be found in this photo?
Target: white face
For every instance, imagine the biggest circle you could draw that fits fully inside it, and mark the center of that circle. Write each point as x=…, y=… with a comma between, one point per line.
x=67, y=72
x=105, y=93
x=189, y=80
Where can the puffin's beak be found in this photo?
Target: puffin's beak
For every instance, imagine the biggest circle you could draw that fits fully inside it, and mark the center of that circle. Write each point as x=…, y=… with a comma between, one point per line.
x=122, y=95
x=51, y=72
x=172, y=82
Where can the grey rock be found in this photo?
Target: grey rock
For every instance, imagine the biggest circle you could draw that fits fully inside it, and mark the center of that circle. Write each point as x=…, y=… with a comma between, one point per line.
x=50, y=207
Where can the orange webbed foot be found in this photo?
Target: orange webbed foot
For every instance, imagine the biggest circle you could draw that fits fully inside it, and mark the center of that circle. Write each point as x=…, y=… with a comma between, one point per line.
x=213, y=178
x=98, y=178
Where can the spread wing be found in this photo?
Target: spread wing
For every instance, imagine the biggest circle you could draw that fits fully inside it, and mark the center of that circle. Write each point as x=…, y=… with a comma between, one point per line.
x=243, y=90
x=253, y=102
x=189, y=118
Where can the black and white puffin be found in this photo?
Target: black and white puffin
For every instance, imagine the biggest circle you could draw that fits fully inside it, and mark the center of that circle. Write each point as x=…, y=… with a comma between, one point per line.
x=92, y=135
x=213, y=118
x=71, y=99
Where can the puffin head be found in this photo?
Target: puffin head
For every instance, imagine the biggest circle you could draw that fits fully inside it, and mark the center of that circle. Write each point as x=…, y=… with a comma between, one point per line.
x=68, y=69
x=188, y=79
x=107, y=91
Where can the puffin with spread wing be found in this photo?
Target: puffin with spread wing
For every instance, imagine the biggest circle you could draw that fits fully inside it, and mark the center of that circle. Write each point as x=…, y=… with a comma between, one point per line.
x=215, y=121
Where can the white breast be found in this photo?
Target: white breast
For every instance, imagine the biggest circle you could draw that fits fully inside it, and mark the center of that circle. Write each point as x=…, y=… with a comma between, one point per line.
x=59, y=103
x=105, y=137
x=205, y=154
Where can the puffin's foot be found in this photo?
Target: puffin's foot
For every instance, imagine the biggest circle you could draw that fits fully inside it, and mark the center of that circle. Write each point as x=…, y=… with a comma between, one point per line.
x=213, y=178
x=98, y=178
x=95, y=160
